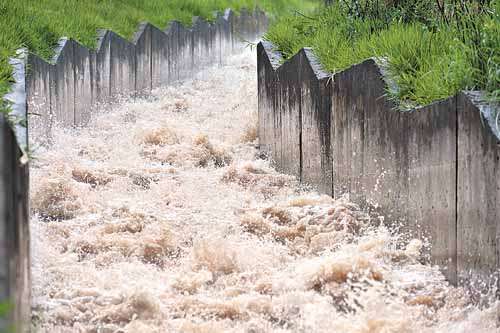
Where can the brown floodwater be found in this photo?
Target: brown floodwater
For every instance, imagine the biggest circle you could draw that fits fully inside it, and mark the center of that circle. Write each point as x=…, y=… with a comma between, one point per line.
x=162, y=216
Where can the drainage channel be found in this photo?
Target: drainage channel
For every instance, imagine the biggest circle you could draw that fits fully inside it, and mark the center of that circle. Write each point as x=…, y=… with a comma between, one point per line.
x=162, y=216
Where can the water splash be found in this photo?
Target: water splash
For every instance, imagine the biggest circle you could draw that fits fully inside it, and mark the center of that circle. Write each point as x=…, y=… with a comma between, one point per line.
x=162, y=217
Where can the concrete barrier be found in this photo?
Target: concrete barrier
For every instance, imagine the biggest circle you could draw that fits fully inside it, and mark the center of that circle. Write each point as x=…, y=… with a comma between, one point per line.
x=67, y=90
x=433, y=171
x=15, y=278
x=79, y=81
x=315, y=108
x=478, y=189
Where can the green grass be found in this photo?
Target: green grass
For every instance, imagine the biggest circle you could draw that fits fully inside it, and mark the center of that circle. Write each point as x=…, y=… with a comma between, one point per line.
x=5, y=310
x=38, y=24
x=426, y=63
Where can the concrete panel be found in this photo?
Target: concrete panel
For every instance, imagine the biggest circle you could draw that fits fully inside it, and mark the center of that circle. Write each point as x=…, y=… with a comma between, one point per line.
x=62, y=86
x=288, y=154
x=219, y=38
x=204, y=38
x=14, y=231
x=397, y=165
x=224, y=37
x=84, y=69
x=180, y=51
x=173, y=33
x=200, y=45
x=267, y=98
x=14, y=219
x=7, y=219
x=228, y=40
x=143, y=59
x=232, y=19
x=38, y=99
x=213, y=41
x=431, y=200
x=102, y=74
x=478, y=225
x=122, y=66
x=218, y=31
x=186, y=54
x=400, y=165
x=160, y=45
x=316, y=105
x=368, y=141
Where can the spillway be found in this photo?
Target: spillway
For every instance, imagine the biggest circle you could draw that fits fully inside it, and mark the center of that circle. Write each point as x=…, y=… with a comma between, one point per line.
x=162, y=216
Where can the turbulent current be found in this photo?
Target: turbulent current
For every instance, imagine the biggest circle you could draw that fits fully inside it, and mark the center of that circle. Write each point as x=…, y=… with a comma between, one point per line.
x=162, y=216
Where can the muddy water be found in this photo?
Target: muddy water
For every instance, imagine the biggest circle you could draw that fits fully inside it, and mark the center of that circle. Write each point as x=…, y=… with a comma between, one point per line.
x=163, y=217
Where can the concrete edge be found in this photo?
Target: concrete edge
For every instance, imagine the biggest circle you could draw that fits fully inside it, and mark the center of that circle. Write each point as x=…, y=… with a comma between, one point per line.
x=490, y=112
x=315, y=64
x=275, y=57
x=16, y=98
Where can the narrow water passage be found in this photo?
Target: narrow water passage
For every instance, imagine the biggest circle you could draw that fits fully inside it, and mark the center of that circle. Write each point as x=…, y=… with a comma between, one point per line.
x=162, y=216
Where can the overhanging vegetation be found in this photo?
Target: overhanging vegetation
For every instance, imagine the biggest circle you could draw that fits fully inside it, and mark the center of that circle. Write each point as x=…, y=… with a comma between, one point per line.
x=432, y=49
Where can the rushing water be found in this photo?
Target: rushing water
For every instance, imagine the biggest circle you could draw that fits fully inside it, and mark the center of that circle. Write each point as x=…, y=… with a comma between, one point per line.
x=162, y=216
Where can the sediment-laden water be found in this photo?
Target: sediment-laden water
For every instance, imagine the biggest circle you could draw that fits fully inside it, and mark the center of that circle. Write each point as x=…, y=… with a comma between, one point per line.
x=162, y=216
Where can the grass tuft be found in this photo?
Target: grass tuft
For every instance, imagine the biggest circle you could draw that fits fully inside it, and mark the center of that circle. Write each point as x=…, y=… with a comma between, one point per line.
x=427, y=62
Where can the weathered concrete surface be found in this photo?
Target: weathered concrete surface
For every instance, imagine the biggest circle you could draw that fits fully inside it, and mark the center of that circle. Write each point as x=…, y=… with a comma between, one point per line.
x=143, y=59
x=202, y=43
x=294, y=115
x=431, y=202
x=14, y=214
x=368, y=142
x=122, y=66
x=62, y=91
x=433, y=172
x=269, y=129
x=84, y=63
x=224, y=36
x=38, y=91
x=175, y=34
x=102, y=74
x=401, y=165
x=160, y=51
x=14, y=231
x=478, y=225
x=231, y=18
x=288, y=117
x=316, y=106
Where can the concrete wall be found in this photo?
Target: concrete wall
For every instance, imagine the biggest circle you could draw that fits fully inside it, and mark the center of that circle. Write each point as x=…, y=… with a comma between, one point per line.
x=78, y=81
x=478, y=189
x=67, y=90
x=14, y=230
x=433, y=171
x=14, y=214
x=295, y=129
